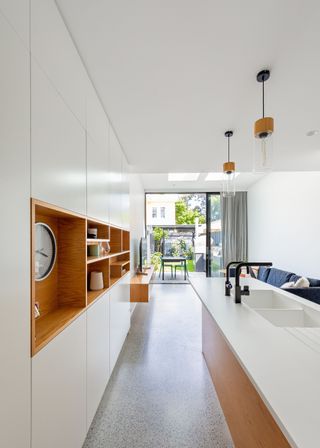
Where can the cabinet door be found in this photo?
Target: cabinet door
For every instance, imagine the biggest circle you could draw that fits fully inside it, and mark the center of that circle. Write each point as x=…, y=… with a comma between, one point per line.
x=97, y=179
x=17, y=14
x=15, y=388
x=125, y=203
x=53, y=48
x=59, y=390
x=97, y=354
x=57, y=148
x=119, y=317
x=115, y=163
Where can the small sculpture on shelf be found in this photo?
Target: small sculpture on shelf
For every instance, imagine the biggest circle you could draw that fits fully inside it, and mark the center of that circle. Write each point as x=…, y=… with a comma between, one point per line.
x=36, y=310
x=104, y=248
x=92, y=233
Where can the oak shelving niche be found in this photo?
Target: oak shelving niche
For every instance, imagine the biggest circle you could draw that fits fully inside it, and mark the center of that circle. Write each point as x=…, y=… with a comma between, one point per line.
x=64, y=294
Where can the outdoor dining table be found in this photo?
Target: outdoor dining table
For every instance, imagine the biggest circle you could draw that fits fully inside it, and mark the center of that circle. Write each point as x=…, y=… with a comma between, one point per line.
x=167, y=259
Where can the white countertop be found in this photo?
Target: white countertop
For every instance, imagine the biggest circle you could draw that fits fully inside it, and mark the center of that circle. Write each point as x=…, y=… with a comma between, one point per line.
x=282, y=363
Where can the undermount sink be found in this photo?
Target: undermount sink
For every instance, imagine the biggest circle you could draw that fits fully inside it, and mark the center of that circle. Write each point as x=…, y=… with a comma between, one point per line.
x=280, y=310
x=269, y=299
x=305, y=317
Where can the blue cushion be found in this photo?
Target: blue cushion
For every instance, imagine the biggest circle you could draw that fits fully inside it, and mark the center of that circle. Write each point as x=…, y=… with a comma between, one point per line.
x=263, y=273
x=277, y=277
x=314, y=282
x=294, y=278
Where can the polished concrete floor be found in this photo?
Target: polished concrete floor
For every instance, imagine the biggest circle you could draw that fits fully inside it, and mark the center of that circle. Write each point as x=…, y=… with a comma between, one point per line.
x=160, y=394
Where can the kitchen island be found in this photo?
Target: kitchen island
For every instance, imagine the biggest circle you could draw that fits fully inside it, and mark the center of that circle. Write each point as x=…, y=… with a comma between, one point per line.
x=266, y=372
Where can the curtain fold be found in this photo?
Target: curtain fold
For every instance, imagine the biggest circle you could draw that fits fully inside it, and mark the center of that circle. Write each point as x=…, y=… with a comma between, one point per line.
x=234, y=228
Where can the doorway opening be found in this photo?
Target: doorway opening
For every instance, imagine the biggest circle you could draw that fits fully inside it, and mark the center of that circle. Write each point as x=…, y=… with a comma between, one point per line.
x=184, y=235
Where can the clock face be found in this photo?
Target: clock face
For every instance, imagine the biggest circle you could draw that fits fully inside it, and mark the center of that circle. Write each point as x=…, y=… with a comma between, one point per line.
x=45, y=251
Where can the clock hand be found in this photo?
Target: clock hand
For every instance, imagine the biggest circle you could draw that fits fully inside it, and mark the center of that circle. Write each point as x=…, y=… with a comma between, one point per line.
x=41, y=253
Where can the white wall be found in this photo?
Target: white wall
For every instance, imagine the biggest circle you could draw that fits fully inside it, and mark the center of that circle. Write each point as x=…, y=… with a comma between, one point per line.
x=137, y=221
x=284, y=221
x=137, y=217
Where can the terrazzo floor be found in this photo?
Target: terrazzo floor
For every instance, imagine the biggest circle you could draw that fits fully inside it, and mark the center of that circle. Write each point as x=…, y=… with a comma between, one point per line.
x=160, y=394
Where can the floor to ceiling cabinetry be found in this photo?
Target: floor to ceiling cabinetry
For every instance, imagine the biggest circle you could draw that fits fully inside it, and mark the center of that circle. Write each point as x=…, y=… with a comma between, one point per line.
x=59, y=390
x=77, y=160
x=15, y=403
x=98, y=353
x=58, y=147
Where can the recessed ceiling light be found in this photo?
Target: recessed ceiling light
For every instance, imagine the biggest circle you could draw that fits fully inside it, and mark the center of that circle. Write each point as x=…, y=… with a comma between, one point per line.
x=217, y=176
x=312, y=132
x=176, y=177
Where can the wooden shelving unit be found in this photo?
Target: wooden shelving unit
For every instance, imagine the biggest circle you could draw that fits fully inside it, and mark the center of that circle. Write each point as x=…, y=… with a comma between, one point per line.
x=65, y=293
x=62, y=295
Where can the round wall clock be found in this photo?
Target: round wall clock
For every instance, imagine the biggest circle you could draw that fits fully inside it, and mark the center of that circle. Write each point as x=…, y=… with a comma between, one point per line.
x=45, y=251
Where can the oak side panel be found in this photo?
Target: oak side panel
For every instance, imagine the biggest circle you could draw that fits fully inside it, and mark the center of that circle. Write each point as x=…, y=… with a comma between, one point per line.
x=72, y=248
x=250, y=422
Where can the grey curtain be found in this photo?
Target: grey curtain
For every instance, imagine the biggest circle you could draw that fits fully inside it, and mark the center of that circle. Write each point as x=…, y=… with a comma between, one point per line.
x=234, y=228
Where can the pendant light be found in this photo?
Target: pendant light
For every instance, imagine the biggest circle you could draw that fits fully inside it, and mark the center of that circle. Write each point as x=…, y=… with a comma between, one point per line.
x=263, y=132
x=229, y=168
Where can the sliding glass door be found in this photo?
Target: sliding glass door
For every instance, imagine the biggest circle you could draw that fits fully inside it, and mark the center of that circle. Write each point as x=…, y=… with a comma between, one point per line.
x=214, y=236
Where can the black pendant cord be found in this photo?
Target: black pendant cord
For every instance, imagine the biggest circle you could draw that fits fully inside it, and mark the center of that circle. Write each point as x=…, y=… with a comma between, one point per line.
x=263, y=99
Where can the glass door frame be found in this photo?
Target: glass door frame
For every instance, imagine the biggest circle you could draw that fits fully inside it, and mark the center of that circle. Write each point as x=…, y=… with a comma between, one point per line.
x=208, y=239
x=208, y=220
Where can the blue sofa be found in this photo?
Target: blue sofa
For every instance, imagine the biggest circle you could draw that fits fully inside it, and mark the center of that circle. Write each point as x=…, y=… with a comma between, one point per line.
x=277, y=277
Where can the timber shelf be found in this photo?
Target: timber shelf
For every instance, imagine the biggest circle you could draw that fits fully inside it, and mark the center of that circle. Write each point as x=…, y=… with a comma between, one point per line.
x=105, y=257
x=92, y=296
x=119, y=263
x=65, y=294
x=140, y=286
x=95, y=241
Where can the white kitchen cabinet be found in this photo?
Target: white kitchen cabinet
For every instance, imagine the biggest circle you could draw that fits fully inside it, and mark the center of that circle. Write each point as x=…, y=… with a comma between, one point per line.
x=15, y=388
x=98, y=369
x=58, y=148
x=16, y=13
x=59, y=390
x=97, y=179
x=53, y=48
x=115, y=179
x=96, y=120
x=125, y=199
x=119, y=317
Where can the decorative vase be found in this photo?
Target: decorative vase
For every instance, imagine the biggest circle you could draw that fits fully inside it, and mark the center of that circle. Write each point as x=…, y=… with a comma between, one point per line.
x=96, y=281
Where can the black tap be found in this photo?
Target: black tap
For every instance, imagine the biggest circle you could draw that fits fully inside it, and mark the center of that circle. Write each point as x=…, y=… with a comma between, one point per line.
x=245, y=291
x=228, y=285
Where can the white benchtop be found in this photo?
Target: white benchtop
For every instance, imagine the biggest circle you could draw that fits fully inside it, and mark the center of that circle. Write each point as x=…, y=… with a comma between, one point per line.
x=282, y=365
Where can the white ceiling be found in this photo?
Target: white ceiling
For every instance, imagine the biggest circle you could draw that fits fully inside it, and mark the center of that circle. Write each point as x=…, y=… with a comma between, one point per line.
x=173, y=75
x=158, y=182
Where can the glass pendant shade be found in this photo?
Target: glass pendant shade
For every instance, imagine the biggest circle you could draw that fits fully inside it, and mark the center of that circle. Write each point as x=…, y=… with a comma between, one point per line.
x=229, y=173
x=229, y=184
x=263, y=154
x=263, y=133
x=263, y=147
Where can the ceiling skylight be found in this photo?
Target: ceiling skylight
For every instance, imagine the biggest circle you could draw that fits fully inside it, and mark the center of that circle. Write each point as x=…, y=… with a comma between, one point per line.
x=180, y=177
x=217, y=176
